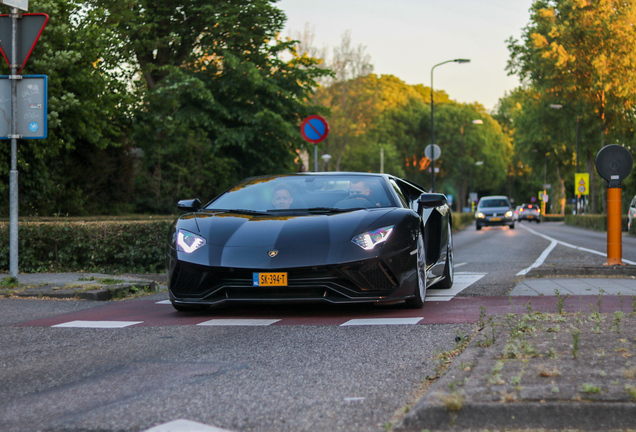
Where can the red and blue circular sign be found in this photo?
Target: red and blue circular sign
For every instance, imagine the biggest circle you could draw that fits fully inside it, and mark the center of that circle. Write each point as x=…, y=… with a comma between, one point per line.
x=314, y=129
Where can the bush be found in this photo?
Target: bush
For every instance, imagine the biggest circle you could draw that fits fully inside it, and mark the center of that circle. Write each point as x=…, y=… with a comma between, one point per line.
x=596, y=222
x=122, y=246
x=462, y=220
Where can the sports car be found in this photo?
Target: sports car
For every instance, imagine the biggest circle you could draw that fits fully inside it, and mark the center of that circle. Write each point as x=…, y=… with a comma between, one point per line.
x=311, y=237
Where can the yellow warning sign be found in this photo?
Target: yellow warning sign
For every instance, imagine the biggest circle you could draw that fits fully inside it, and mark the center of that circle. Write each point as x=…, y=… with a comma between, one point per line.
x=581, y=184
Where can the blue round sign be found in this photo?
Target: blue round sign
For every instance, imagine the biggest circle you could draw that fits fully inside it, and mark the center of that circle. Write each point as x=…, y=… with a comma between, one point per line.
x=314, y=129
x=33, y=127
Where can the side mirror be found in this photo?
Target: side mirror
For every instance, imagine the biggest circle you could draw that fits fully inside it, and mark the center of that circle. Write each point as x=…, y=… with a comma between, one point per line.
x=189, y=205
x=430, y=200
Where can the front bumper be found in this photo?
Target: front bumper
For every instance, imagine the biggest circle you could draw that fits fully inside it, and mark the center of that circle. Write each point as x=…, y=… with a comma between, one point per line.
x=368, y=281
x=495, y=221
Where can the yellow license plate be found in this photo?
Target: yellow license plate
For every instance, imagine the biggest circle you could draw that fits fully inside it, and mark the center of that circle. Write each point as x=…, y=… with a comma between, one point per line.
x=497, y=219
x=270, y=279
x=530, y=217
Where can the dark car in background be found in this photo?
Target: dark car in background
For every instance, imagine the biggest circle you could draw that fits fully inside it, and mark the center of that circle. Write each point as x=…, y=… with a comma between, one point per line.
x=311, y=237
x=530, y=212
x=494, y=210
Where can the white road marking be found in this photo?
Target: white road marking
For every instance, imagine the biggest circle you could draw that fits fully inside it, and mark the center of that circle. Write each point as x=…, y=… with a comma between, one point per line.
x=354, y=399
x=571, y=245
x=460, y=264
x=166, y=302
x=382, y=321
x=98, y=324
x=238, y=322
x=185, y=426
x=539, y=260
x=462, y=281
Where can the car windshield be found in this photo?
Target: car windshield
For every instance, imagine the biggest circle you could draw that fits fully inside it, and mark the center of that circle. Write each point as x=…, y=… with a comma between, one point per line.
x=494, y=202
x=305, y=192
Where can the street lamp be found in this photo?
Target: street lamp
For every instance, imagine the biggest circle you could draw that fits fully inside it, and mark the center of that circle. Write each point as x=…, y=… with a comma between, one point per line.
x=326, y=158
x=559, y=106
x=462, y=194
x=433, y=119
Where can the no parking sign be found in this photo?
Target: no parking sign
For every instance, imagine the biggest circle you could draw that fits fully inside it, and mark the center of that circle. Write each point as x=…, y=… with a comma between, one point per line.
x=314, y=129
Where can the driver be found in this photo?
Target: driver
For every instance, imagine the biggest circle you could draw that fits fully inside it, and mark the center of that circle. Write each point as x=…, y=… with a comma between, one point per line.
x=359, y=195
x=359, y=188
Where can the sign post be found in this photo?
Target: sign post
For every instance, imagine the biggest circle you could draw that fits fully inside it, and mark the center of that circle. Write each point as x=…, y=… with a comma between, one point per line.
x=314, y=129
x=614, y=163
x=18, y=56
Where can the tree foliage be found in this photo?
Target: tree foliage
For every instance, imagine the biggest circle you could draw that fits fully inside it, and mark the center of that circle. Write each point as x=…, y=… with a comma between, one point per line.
x=82, y=166
x=577, y=54
x=152, y=101
x=221, y=98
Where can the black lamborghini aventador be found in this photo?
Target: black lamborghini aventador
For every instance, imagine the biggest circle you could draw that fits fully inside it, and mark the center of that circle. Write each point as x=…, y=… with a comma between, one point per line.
x=311, y=237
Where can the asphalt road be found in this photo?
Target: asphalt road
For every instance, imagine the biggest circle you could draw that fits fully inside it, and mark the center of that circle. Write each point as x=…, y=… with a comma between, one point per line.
x=275, y=378
x=502, y=253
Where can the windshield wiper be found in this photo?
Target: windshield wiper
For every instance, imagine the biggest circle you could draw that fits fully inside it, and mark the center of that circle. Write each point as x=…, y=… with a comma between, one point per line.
x=332, y=209
x=240, y=211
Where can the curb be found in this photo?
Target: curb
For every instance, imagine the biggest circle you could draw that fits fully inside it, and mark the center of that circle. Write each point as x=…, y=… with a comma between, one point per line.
x=523, y=415
x=600, y=270
x=99, y=293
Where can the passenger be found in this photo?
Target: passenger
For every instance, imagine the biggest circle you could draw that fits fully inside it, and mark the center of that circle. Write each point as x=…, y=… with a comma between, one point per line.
x=282, y=197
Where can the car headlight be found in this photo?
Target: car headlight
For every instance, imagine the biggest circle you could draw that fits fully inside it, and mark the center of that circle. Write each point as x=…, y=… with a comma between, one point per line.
x=369, y=239
x=509, y=214
x=480, y=215
x=188, y=242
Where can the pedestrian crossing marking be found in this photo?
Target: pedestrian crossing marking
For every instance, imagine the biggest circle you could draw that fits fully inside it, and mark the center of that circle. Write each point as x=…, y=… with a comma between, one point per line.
x=238, y=322
x=98, y=324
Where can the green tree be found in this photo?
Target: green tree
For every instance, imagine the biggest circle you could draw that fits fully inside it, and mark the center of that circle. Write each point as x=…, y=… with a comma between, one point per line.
x=83, y=165
x=221, y=97
x=580, y=54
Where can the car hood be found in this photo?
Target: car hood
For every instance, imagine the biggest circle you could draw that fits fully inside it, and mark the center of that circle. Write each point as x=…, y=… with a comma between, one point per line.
x=237, y=240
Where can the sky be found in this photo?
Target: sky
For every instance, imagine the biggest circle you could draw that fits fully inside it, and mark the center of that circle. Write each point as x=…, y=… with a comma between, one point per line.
x=406, y=38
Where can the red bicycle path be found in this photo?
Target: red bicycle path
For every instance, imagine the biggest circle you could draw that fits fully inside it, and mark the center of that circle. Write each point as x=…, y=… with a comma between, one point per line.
x=456, y=310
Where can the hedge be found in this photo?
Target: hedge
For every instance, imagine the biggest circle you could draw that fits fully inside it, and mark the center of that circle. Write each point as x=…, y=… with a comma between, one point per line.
x=596, y=222
x=122, y=246
x=462, y=220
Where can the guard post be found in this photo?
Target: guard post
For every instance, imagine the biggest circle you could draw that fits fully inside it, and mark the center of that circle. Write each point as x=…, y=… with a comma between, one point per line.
x=614, y=164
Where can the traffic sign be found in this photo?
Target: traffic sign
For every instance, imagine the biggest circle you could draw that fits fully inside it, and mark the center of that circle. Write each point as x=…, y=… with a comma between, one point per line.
x=32, y=106
x=20, y=4
x=314, y=129
x=581, y=184
x=432, y=151
x=30, y=27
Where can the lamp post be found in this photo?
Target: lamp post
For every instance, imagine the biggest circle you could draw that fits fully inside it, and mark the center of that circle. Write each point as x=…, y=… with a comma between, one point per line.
x=433, y=118
x=462, y=195
x=326, y=158
x=559, y=106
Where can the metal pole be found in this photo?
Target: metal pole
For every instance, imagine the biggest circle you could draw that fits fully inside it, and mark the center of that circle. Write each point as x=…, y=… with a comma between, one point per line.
x=381, y=160
x=13, y=175
x=315, y=157
x=432, y=134
x=433, y=119
x=577, y=161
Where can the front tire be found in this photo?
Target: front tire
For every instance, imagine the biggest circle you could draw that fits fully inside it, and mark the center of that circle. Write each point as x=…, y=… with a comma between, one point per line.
x=417, y=302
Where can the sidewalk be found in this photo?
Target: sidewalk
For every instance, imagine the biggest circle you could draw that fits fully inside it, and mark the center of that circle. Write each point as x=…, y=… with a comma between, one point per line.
x=571, y=369
x=84, y=286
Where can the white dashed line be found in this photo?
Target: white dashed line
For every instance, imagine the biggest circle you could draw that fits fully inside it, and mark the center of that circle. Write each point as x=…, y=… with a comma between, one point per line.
x=239, y=322
x=98, y=324
x=185, y=426
x=382, y=321
x=462, y=281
